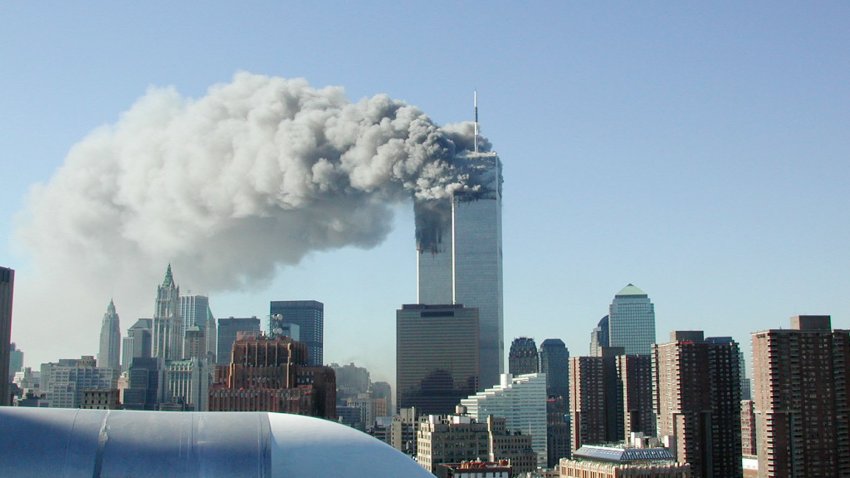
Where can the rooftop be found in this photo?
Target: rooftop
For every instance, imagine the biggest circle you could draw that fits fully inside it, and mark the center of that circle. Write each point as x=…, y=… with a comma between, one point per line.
x=619, y=454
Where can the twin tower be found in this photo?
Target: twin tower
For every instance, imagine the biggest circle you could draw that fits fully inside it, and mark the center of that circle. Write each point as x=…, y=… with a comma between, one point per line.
x=459, y=244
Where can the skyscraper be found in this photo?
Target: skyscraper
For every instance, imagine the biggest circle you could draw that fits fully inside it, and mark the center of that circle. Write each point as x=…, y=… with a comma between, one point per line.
x=7, y=286
x=227, y=331
x=523, y=357
x=436, y=356
x=555, y=363
x=631, y=321
x=16, y=360
x=167, y=323
x=802, y=399
x=109, y=355
x=195, y=312
x=697, y=400
x=309, y=316
x=599, y=337
x=138, y=342
x=459, y=240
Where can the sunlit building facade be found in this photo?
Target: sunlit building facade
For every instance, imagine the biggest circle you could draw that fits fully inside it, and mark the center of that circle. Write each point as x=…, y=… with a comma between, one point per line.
x=631, y=321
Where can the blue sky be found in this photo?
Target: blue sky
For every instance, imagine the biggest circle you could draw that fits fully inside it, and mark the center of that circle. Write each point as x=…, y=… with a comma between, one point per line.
x=697, y=150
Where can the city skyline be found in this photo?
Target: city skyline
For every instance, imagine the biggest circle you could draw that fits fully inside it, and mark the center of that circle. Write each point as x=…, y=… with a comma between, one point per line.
x=696, y=151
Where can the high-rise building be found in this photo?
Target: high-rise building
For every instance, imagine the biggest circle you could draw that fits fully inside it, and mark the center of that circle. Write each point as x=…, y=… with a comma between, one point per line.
x=195, y=312
x=697, y=399
x=599, y=337
x=7, y=286
x=521, y=401
x=272, y=375
x=109, y=355
x=194, y=343
x=146, y=380
x=187, y=383
x=749, y=430
x=555, y=363
x=436, y=356
x=801, y=392
x=523, y=358
x=631, y=321
x=309, y=315
x=557, y=430
x=16, y=360
x=459, y=240
x=167, y=322
x=137, y=343
x=634, y=383
x=227, y=331
x=587, y=401
x=64, y=382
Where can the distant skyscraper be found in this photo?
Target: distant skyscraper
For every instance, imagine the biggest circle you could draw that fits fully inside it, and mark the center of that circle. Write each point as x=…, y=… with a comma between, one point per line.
x=16, y=360
x=138, y=342
x=555, y=363
x=167, y=323
x=195, y=312
x=599, y=337
x=459, y=241
x=802, y=399
x=146, y=379
x=436, y=357
x=698, y=402
x=227, y=330
x=631, y=321
x=109, y=355
x=7, y=286
x=309, y=316
x=523, y=357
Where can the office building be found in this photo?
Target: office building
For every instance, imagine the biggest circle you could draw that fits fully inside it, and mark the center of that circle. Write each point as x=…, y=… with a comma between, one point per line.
x=557, y=431
x=109, y=355
x=195, y=343
x=457, y=438
x=475, y=469
x=521, y=401
x=622, y=461
x=195, y=312
x=7, y=287
x=227, y=331
x=16, y=360
x=106, y=399
x=522, y=357
x=272, y=375
x=802, y=399
x=137, y=343
x=587, y=402
x=631, y=321
x=459, y=260
x=555, y=363
x=309, y=316
x=187, y=384
x=599, y=337
x=697, y=399
x=146, y=379
x=64, y=382
x=436, y=356
x=634, y=382
x=167, y=322
x=403, y=431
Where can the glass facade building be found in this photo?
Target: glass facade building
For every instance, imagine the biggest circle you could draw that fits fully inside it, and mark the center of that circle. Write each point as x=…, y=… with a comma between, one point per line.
x=555, y=363
x=436, y=357
x=459, y=241
x=631, y=321
x=309, y=316
x=227, y=330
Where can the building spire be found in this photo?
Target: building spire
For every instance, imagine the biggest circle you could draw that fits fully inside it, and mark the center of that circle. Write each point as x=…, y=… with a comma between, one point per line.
x=111, y=307
x=169, y=278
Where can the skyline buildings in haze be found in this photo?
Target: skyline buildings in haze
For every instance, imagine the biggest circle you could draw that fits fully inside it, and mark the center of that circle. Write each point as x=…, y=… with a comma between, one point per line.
x=109, y=355
x=167, y=339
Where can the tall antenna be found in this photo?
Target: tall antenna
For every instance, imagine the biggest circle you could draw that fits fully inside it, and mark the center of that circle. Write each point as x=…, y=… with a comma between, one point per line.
x=475, y=108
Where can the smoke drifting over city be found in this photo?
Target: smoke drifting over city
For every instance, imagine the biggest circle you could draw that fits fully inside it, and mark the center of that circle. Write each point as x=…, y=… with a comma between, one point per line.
x=258, y=172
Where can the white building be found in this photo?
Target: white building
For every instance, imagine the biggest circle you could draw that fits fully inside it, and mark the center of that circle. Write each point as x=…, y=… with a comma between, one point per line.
x=64, y=382
x=521, y=401
x=188, y=382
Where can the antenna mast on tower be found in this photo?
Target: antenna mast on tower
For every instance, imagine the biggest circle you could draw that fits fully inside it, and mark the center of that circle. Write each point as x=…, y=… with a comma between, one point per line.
x=475, y=108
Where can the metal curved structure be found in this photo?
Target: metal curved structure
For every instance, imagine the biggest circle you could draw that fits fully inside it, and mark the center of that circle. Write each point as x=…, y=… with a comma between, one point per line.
x=111, y=443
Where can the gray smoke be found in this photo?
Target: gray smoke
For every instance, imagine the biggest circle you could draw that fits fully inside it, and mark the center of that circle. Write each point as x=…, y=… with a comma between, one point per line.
x=259, y=172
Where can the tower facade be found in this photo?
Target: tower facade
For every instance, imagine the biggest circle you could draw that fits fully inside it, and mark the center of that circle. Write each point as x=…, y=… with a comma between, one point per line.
x=523, y=357
x=459, y=244
x=436, y=356
x=802, y=399
x=167, y=322
x=227, y=331
x=697, y=401
x=109, y=355
x=631, y=321
x=555, y=363
x=309, y=316
x=7, y=286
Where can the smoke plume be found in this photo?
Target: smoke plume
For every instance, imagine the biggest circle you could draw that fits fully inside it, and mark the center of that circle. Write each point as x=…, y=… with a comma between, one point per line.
x=258, y=172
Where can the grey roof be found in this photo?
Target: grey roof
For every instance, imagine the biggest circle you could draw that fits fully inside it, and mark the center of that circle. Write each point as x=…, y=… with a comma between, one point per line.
x=622, y=455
